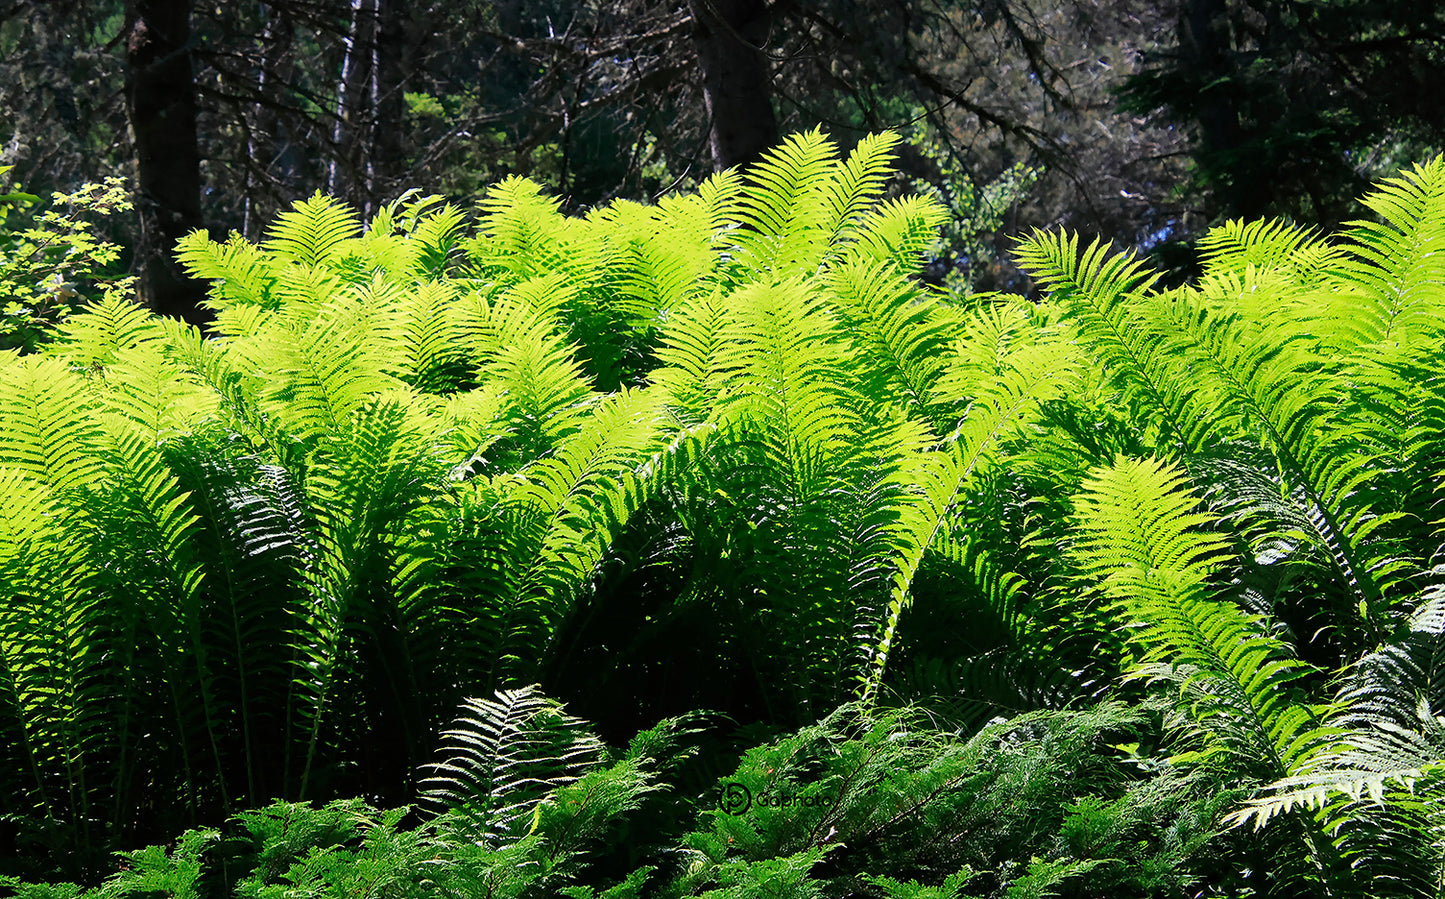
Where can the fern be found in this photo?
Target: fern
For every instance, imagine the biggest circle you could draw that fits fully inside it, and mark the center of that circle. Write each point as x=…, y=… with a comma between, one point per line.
x=1209, y=379
x=898, y=329
x=785, y=210
x=1239, y=686
x=505, y=755
x=518, y=230
x=1139, y=538
x=1376, y=780
x=1398, y=266
x=313, y=233
x=942, y=478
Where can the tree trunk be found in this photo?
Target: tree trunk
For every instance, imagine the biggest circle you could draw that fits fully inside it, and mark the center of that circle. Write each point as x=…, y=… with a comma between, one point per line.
x=368, y=107
x=1204, y=44
x=161, y=100
x=737, y=87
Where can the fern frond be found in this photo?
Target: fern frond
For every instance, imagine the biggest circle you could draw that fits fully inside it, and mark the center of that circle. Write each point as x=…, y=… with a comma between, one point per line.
x=58, y=683
x=1137, y=518
x=524, y=350
x=1140, y=537
x=313, y=232
x=900, y=231
x=857, y=184
x=784, y=209
x=1279, y=391
x=1096, y=292
x=582, y=496
x=690, y=349
x=428, y=338
x=503, y=756
x=362, y=483
x=46, y=422
x=434, y=234
x=97, y=333
x=253, y=542
x=240, y=272
x=1388, y=738
x=901, y=334
x=1210, y=376
x=413, y=239
x=517, y=231
x=782, y=362
x=162, y=398
x=1399, y=266
x=1237, y=245
x=659, y=259
x=322, y=374
x=942, y=477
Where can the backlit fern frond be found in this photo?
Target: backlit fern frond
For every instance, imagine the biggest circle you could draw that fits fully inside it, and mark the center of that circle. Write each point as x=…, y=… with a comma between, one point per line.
x=1238, y=245
x=784, y=210
x=781, y=361
x=1400, y=265
x=58, y=684
x=517, y=232
x=942, y=476
x=413, y=238
x=320, y=375
x=690, y=348
x=1276, y=388
x=582, y=496
x=1211, y=377
x=900, y=230
x=857, y=184
x=313, y=232
x=240, y=272
x=525, y=351
x=1388, y=733
x=47, y=426
x=108, y=326
x=157, y=394
x=428, y=339
x=1096, y=293
x=1141, y=539
x=900, y=332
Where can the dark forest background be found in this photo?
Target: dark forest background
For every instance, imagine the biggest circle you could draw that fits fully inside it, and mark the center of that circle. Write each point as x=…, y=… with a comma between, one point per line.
x=1144, y=122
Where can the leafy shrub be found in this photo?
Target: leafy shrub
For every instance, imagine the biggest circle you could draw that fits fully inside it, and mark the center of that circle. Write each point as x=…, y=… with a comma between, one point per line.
x=52, y=264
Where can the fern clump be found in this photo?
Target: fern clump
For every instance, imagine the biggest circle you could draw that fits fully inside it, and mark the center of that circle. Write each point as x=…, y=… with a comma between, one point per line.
x=726, y=452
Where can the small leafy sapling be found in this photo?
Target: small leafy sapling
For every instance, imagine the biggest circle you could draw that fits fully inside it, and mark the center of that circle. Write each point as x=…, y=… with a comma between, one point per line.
x=51, y=260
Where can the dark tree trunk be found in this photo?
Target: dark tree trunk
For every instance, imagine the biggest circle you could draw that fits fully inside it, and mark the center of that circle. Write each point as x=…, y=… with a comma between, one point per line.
x=161, y=100
x=737, y=87
x=1204, y=44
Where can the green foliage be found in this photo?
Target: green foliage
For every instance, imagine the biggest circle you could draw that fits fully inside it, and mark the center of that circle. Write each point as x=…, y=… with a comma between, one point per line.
x=51, y=261
x=1010, y=578
x=1033, y=802
x=887, y=807
x=398, y=472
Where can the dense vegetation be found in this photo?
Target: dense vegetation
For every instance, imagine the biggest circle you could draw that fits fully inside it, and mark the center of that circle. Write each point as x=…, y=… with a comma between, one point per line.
x=886, y=591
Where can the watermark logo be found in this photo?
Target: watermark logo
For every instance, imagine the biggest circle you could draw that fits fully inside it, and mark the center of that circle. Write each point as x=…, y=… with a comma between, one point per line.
x=735, y=798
